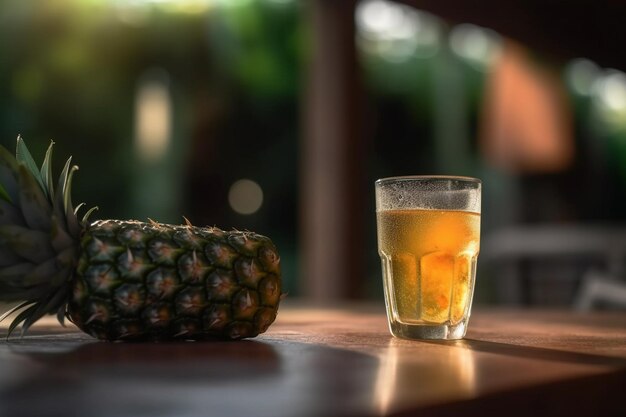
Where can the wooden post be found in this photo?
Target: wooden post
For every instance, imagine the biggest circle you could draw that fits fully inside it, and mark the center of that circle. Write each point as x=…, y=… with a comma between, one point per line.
x=332, y=177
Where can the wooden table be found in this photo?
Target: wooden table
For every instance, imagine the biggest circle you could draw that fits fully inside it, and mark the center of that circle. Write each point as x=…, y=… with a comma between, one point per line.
x=329, y=362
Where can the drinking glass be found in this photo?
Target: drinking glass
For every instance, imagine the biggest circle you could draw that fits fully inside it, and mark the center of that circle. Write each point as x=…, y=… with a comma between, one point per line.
x=428, y=241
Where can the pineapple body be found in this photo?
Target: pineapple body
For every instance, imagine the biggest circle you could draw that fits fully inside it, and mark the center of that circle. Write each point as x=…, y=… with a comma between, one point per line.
x=137, y=281
x=125, y=280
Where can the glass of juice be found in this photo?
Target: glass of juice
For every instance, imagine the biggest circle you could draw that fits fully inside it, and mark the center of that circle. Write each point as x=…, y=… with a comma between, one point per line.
x=428, y=241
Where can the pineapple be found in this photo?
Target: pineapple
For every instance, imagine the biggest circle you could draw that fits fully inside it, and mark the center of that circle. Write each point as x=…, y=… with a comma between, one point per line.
x=125, y=280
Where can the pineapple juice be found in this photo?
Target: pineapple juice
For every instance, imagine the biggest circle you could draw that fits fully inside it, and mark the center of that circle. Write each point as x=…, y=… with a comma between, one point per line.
x=429, y=262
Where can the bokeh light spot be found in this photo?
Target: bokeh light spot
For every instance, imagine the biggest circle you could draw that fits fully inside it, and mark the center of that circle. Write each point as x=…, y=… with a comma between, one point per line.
x=245, y=196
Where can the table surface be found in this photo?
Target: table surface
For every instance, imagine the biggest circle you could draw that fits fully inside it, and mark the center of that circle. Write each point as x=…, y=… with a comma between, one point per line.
x=328, y=362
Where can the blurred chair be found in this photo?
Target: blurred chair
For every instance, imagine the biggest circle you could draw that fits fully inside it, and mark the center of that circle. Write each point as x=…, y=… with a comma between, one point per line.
x=592, y=248
x=599, y=290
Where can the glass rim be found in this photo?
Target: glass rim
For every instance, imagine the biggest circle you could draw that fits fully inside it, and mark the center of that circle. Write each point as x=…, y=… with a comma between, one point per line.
x=381, y=181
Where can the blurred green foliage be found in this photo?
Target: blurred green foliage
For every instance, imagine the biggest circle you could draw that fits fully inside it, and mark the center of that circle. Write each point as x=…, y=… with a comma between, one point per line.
x=70, y=71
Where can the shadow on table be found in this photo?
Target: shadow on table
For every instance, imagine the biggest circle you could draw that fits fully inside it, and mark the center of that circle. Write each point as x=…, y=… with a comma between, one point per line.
x=185, y=360
x=251, y=378
x=539, y=353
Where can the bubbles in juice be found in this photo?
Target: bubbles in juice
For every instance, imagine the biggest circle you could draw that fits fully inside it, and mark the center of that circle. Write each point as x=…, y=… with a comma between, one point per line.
x=429, y=261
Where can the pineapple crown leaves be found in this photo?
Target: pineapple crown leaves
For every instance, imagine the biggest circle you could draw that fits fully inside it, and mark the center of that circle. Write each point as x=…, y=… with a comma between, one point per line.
x=39, y=231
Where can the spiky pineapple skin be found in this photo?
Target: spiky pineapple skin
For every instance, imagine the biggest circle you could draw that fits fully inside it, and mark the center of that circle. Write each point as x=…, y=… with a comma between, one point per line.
x=138, y=281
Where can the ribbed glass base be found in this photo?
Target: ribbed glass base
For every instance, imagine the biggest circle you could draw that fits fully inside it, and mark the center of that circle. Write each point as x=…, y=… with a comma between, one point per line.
x=429, y=331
